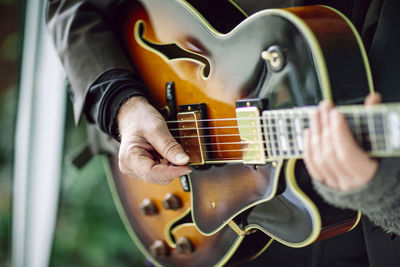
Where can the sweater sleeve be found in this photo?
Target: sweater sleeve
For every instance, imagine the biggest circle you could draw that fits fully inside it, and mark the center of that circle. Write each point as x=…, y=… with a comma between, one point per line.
x=379, y=199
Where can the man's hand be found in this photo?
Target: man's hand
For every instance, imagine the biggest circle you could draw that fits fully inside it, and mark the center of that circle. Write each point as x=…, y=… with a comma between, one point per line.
x=147, y=145
x=331, y=153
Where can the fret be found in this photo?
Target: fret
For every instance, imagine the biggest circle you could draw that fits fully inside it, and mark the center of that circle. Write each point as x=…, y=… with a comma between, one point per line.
x=386, y=130
x=267, y=129
x=371, y=128
x=358, y=126
x=286, y=119
x=274, y=131
x=393, y=123
x=286, y=134
x=305, y=124
x=274, y=136
x=287, y=131
x=379, y=131
x=297, y=125
x=293, y=134
x=278, y=133
x=366, y=140
x=306, y=121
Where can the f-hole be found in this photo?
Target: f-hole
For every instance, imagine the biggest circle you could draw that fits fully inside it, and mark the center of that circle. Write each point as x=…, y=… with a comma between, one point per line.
x=172, y=51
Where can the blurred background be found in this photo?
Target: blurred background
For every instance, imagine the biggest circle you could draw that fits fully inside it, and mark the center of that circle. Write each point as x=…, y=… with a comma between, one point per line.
x=88, y=230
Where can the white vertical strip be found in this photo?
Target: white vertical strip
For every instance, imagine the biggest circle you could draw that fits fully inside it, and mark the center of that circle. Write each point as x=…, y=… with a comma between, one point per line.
x=23, y=125
x=38, y=144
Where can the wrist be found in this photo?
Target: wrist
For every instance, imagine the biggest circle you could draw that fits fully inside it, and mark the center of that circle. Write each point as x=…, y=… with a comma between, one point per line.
x=127, y=108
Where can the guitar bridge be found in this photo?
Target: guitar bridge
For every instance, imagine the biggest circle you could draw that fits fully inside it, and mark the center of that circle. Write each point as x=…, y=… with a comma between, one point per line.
x=191, y=131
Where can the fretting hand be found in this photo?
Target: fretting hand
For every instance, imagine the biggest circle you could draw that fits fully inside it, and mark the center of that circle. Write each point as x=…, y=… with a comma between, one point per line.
x=331, y=153
x=147, y=145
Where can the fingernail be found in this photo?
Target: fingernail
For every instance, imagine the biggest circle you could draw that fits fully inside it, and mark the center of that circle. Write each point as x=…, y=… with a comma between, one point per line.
x=181, y=158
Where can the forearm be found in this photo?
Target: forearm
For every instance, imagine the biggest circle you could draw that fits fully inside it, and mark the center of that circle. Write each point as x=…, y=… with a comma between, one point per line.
x=379, y=199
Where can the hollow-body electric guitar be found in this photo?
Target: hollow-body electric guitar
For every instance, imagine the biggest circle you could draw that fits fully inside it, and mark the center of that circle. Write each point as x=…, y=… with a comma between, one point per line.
x=238, y=102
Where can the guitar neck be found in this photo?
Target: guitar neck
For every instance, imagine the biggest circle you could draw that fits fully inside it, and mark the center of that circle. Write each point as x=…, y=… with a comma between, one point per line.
x=376, y=129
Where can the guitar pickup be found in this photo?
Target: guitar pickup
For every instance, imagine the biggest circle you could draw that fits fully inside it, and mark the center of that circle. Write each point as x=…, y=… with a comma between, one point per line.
x=191, y=131
x=250, y=131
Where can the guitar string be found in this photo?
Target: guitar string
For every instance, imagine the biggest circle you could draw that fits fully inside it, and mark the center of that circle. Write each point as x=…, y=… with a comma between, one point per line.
x=300, y=112
x=291, y=149
x=262, y=119
x=283, y=154
x=272, y=143
x=247, y=127
x=237, y=127
x=289, y=152
x=279, y=116
x=273, y=132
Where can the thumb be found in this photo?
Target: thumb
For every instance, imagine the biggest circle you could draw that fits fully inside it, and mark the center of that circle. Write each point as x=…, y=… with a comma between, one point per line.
x=163, y=142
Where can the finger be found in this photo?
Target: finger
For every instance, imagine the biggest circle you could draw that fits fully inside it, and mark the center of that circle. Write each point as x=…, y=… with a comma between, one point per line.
x=373, y=99
x=325, y=105
x=311, y=166
x=308, y=160
x=315, y=139
x=325, y=144
x=326, y=158
x=138, y=118
x=163, y=142
x=336, y=174
x=362, y=167
x=141, y=164
x=343, y=136
x=164, y=174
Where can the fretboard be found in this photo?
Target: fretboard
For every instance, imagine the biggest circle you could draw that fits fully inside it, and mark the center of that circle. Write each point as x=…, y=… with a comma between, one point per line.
x=376, y=129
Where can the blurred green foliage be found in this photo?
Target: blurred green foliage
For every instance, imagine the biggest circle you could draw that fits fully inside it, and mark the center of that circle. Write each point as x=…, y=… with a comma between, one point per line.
x=9, y=61
x=7, y=119
x=9, y=2
x=10, y=48
x=89, y=231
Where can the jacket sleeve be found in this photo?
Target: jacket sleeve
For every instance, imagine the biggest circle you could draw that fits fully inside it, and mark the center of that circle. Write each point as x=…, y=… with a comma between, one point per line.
x=84, y=37
x=379, y=199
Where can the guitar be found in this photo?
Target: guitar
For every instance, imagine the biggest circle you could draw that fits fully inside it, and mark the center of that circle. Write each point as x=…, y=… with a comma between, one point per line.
x=232, y=100
x=159, y=218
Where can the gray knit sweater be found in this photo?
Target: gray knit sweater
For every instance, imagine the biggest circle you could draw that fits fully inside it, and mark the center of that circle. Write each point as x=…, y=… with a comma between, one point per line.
x=379, y=199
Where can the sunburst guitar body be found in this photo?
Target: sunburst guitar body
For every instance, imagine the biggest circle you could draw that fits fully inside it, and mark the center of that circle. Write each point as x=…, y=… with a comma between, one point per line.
x=233, y=100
